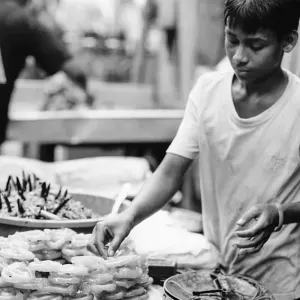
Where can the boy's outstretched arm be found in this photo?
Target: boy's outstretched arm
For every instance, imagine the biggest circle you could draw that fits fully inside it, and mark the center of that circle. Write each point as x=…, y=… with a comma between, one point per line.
x=156, y=192
x=160, y=188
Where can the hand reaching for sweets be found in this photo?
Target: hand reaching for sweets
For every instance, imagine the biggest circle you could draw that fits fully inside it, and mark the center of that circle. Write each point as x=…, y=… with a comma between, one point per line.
x=113, y=230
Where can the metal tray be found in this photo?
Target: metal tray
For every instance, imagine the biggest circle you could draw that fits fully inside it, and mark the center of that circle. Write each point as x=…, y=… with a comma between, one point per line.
x=99, y=204
x=182, y=286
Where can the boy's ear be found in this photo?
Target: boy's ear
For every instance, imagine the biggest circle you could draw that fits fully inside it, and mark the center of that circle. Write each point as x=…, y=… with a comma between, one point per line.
x=290, y=41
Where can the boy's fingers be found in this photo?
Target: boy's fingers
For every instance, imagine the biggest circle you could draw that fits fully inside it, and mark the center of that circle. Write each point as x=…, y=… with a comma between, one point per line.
x=92, y=244
x=257, y=228
x=101, y=236
x=92, y=248
x=114, y=245
x=253, y=243
x=248, y=216
x=101, y=249
x=251, y=250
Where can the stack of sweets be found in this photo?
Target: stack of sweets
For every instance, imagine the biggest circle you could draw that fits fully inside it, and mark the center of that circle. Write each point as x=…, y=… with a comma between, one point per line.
x=123, y=277
x=83, y=277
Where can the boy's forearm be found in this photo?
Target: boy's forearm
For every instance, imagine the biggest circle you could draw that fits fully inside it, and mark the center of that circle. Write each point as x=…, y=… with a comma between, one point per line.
x=159, y=188
x=291, y=213
x=154, y=195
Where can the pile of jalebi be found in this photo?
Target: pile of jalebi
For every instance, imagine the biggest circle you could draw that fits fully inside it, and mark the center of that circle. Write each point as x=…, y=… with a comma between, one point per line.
x=32, y=268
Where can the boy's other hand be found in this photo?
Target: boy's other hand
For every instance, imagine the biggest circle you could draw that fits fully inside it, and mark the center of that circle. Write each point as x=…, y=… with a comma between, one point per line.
x=266, y=219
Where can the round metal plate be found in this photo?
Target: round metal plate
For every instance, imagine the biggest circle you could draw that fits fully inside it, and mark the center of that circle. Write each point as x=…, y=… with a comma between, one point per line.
x=182, y=286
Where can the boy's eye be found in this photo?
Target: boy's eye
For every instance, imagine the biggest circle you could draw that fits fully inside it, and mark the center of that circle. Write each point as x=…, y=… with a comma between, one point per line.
x=232, y=41
x=256, y=47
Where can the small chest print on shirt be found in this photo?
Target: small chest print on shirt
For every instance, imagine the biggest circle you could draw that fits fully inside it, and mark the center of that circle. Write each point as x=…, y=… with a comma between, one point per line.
x=276, y=162
x=274, y=159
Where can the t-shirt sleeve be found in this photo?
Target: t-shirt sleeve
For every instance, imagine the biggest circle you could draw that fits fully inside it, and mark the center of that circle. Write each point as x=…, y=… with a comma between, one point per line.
x=185, y=142
x=46, y=47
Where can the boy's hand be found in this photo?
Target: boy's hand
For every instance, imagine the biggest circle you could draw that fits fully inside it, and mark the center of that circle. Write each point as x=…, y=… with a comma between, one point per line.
x=267, y=219
x=114, y=229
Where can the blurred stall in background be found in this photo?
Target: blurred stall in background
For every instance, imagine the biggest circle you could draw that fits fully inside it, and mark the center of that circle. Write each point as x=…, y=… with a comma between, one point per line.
x=141, y=57
x=103, y=35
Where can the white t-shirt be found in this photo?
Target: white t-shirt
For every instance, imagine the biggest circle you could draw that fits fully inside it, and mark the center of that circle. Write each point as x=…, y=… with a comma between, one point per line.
x=244, y=162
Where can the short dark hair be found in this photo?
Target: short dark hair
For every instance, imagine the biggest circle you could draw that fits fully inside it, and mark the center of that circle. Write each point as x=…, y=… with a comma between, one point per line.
x=21, y=2
x=280, y=16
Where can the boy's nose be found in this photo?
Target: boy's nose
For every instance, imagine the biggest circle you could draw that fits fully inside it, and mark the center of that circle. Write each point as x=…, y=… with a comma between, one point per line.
x=240, y=57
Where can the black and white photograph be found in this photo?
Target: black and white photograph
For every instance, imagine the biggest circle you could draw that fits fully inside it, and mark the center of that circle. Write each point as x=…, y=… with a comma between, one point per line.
x=149, y=150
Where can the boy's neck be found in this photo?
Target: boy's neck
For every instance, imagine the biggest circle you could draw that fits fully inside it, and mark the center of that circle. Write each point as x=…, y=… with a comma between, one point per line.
x=264, y=85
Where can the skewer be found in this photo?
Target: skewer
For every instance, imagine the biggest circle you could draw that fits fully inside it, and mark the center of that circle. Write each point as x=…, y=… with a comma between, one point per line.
x=13, y=184
x=20, y=207
x=19, y=186
x=8, y=191
x=47, y=190
x=43, y=190
x=58, y=195
x=24, y=180
x=65, y=194
x=7, y=203
x=8, y=183
x=61, y=205
x=29, y=183
x=20, y=189
x=35, y=180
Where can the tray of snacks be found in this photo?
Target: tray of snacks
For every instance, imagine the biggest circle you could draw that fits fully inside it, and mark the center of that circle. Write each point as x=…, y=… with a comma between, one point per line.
x=104, y=175
x=27, y=202
x=213, y=285
x=55, y=264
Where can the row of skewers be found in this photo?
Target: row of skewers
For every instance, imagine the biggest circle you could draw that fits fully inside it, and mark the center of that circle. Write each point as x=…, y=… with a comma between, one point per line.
x=30, y=197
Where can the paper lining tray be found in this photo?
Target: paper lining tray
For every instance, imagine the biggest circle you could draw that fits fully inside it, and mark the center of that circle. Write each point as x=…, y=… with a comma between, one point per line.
x=99, y=204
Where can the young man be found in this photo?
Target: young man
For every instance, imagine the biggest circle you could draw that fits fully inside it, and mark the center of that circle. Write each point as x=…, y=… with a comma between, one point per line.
x=244, y=129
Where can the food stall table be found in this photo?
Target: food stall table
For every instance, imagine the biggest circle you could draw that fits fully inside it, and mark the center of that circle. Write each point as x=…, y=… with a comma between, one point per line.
x=90, y=127
x=96, y=127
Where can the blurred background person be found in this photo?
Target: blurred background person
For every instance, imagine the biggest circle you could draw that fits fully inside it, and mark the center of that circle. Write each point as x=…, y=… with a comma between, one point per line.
x=24, y=33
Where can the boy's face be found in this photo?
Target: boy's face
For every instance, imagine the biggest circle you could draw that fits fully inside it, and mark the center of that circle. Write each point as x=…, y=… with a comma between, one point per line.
x=253, y=56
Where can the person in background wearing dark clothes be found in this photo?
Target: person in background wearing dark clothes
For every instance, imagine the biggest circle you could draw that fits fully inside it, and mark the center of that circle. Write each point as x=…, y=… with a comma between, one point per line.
x=22, y=35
